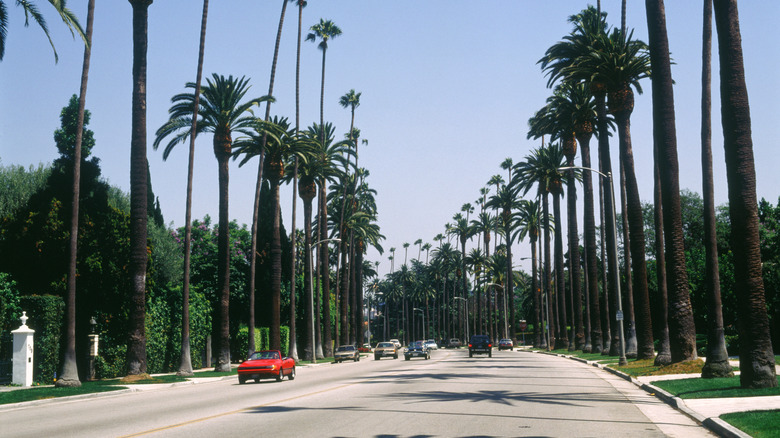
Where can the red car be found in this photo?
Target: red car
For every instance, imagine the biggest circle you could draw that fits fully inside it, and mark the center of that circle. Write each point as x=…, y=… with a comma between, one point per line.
x=267, y=364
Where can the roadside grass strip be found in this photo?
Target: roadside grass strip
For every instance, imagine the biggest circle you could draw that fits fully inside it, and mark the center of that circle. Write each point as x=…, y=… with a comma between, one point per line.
x=47, y=392
x=713, y=388
x=759, y=424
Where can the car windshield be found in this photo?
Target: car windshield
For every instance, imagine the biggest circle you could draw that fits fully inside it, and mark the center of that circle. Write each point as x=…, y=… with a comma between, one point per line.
x=416, y=344
x=264, y=355
x=346, y=348
x=385, y=345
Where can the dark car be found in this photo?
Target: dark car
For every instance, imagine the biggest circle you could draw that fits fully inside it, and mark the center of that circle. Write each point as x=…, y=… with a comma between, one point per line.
x=505, y=344
x=480, y=344
x=417, y=349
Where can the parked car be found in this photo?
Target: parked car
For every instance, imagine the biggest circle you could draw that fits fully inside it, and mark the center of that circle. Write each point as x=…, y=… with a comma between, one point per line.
x=268, y=364
x=346, y=352
x=453, y=343
x=432, y=345
x=417, y=349
x=506, y=344
x=396, y=342
x=385, y=349
x=480, y=344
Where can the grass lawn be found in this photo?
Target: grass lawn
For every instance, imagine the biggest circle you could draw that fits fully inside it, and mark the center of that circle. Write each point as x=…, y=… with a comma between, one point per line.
x=325, y=360
x=756, y=423
x=41, y=393
x=712, y=388
x=646, y=368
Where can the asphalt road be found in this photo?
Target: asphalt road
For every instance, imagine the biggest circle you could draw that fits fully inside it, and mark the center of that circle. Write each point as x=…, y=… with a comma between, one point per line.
x=450, y=395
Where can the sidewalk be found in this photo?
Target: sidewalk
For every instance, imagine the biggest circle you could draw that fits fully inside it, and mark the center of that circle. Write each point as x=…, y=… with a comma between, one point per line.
x=707, y=410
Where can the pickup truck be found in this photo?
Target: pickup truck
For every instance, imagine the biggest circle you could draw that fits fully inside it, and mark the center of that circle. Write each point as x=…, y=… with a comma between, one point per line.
x=480, y=344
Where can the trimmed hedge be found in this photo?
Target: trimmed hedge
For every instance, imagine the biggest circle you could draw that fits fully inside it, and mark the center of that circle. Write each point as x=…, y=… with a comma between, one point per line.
x=240, y=345
x=46, y=313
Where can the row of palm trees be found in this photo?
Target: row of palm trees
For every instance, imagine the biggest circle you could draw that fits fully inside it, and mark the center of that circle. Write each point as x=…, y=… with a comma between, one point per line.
x=310, y=160
x=594, y=72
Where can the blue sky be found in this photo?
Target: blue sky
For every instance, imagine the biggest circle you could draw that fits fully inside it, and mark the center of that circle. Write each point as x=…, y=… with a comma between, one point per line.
x=447, y=89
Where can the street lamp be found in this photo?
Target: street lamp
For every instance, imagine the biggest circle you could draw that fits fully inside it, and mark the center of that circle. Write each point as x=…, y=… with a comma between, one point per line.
x=613, y=264
x=423, y=321
x=311, y=300
x=467, y=315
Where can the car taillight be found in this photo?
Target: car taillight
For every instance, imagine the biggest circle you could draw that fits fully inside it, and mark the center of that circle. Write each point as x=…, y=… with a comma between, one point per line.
x=469, y=345
x=490, y=345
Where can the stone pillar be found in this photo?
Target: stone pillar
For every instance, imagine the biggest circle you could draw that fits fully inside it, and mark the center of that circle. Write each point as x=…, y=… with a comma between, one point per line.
x=23, y=354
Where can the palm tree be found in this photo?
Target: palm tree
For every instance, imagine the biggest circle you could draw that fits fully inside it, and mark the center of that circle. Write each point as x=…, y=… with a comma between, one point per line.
x=284, y=147
x=222, y=113
x=185, y=360
x=529, y=220
x=136, y=344
x=717, y=363
x=30, y=10
x=755, y=356
x=69, y=375
x=541, y=169
x=324, y=30
x=681, y=326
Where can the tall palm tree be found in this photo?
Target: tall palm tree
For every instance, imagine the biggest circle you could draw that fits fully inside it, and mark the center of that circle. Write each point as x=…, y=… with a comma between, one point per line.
x=223, y=113
x=31, y=11
x=529, y=219
x=185, y=360
x=540, y=168
x=717, y=363
x=680, y=314
x=69, y=375
x=756, y=362
x=325, y=30
x=280, y=144
x=256, y=209
x=136, y=344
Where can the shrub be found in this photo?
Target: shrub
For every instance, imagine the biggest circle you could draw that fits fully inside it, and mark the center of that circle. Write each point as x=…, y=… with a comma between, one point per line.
x=111, y=362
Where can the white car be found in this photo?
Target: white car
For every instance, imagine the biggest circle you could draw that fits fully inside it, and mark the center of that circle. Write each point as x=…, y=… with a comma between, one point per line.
x=431, y=344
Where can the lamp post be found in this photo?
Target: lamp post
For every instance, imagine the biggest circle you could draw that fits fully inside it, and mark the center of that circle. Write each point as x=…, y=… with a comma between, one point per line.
x=613, y=264
x=467, y=315
x=311, y=301
x=423, y=321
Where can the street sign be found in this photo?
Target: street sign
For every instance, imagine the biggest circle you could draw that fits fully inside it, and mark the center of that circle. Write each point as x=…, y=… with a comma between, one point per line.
x=619, y=315
x=522, y=325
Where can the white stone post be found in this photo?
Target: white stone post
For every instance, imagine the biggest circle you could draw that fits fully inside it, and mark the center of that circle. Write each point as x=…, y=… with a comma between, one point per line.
x=23, y=354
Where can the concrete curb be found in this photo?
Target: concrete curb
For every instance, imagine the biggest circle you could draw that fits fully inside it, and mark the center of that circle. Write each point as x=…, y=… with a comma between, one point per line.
x=714, y=424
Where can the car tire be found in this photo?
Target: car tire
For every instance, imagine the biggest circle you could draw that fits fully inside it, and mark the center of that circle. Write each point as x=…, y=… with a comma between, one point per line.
x=471, y=354
x=241, y=380
x=377, y=357
x=357, y=358
x=407, y=357
x=292, y=374
x=490, y=354
x=280, y=376
x=395, y=357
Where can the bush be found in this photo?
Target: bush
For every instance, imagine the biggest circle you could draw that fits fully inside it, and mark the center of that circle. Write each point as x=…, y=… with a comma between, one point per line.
x=46, y=314
x=159, y=323
x=240, y=345
x=111, y=362
x=9, y=304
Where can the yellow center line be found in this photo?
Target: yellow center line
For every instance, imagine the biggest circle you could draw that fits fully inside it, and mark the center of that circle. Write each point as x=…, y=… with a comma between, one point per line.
x=238, y=411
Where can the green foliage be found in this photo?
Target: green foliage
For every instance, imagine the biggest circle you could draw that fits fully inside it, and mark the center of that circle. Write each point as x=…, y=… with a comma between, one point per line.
x=9, y=304
x=240, y=345
x=111, y=361
x=46, y=314
x=65, y=136
x=18, y=184
x=158, y=334
x=712, y=388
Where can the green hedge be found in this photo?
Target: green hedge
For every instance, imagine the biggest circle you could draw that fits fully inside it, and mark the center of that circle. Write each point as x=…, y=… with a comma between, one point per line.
x=240, y=345
x=46, y=313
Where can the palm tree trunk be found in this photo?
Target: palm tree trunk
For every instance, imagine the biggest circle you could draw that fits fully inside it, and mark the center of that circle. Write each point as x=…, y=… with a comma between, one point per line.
x=185, y=360
x=136, y=344
x=591, y=259
x=539, y=339
x=69, y=374
x=344, y=294
x=223, y=264
x=636, y=230
x=574, y=260
x=276, y=271
x=664, y=355
x=546, y=281
x=756, y=358
x=608, y=227
x=717, y=363
x=562, y=340
x=307, y=281
x=324, y=333
x=682, y=331
x=628, y=290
